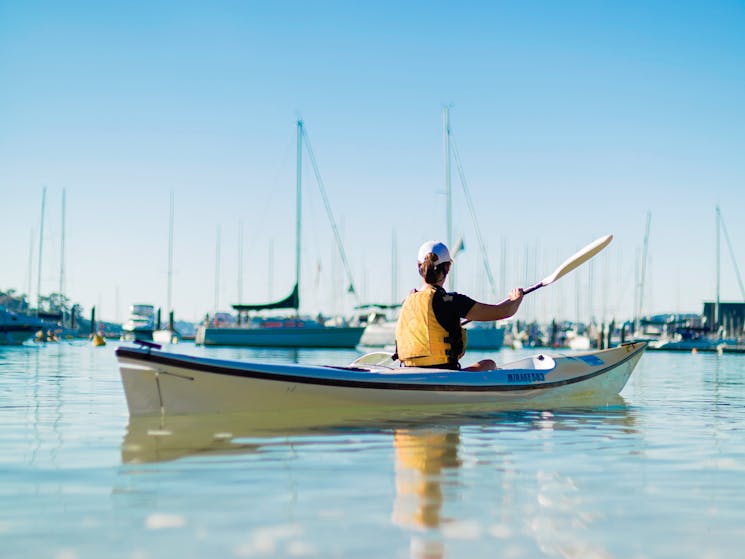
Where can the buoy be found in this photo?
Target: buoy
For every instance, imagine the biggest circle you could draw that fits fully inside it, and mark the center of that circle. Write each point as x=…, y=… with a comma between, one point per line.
x=98, y=340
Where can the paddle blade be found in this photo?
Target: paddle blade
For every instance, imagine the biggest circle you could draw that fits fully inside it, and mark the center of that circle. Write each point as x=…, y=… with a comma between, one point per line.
x=580, y=257
x=376, y=358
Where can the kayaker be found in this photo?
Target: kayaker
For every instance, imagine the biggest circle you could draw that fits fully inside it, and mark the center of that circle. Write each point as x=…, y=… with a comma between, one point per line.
x=429, y=332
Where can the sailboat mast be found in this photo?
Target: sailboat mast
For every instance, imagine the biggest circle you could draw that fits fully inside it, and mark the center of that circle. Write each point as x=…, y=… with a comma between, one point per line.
x=448, y=190
x=394, y=268
x=41, y=246
x=217, y=271
x=716, y=306
x=240, y=260
x=643, y=270
x=270, y=270
x=30, y=266
x=298, y=207
x=170, y=257
x=62, y=253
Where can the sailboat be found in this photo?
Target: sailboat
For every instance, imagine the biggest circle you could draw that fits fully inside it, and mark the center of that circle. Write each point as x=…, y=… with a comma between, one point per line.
x=708, y=332
x=259, y=331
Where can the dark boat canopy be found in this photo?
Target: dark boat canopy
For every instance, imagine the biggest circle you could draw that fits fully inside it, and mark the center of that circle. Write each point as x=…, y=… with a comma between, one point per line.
x=290, y=302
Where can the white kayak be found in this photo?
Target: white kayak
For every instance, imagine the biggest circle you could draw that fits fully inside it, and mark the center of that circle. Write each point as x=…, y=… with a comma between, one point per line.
x=163, y=383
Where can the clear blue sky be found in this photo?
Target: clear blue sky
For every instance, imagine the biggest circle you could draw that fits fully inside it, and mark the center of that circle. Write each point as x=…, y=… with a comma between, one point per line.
x=572, y=120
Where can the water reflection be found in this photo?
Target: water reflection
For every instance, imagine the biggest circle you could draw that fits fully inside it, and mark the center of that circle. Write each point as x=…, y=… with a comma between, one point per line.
x=157, y=439
x=459, y=480
x=536, y=501
x=161, y=439
x=424, y=458
x=165, y=439
x=419, y=446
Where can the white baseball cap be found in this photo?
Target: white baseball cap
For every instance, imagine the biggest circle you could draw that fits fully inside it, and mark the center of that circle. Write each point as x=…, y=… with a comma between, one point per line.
x=440, y=250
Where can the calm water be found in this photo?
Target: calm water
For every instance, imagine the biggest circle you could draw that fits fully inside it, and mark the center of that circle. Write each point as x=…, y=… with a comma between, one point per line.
x=660, y=473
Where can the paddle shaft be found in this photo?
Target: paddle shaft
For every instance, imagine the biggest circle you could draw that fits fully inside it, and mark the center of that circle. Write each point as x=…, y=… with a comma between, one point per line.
x=525, y=292
x=531, y=288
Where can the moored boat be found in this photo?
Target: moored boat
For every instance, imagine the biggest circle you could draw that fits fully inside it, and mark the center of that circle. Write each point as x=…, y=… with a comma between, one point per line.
x=140, y=324
x=256, y=330
x=16, y=328
x=485, y=335
x=263, y=331
x=680, y=343
x=166, y=336
x=379, y=334
x=281, y=333
x=160, y=383
x=380, y=324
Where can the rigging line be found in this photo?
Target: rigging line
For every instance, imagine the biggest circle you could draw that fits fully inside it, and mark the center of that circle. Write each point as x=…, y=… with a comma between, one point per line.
x=330, y=215
x=731, y=253
x=469, y=202
x=257, y=227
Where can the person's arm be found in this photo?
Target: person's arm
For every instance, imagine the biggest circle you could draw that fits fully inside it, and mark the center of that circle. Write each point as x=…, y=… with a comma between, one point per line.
x=505, y=309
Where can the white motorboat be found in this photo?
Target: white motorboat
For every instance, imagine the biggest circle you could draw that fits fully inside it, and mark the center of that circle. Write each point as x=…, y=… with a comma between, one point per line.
x=380, y=333
x=140, y=324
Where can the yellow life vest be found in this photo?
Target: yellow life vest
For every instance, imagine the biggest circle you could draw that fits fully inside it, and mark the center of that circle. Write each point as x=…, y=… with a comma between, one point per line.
x=420, y=339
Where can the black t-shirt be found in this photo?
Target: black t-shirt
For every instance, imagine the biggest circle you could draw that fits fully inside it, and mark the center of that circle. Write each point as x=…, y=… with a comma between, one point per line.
x=449, y=308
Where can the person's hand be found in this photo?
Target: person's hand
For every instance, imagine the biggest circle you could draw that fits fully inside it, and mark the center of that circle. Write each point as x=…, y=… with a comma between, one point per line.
x=516, y=294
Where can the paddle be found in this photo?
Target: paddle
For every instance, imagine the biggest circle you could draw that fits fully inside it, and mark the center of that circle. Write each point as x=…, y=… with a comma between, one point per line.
x=578, y=258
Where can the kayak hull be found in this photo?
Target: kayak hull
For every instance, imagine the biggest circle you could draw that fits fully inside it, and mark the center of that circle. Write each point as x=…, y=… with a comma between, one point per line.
x=162, y=383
